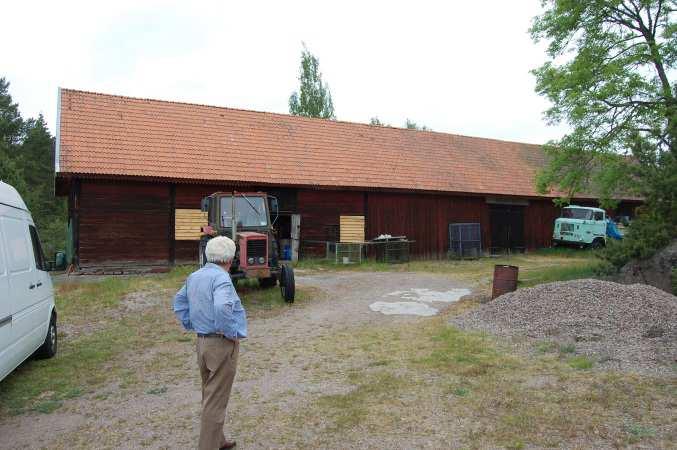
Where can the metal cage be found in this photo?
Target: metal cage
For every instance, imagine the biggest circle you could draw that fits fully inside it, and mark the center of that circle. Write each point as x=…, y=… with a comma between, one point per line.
x=465, y=240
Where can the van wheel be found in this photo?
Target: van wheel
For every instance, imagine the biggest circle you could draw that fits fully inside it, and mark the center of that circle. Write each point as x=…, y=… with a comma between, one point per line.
x=48, y=348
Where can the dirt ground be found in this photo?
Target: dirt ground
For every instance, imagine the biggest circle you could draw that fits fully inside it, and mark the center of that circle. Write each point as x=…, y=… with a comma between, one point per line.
x=285, y=365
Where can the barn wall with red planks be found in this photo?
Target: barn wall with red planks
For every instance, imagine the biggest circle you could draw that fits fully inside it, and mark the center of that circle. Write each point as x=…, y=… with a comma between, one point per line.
x=539, y=220
x=320, y=211
x=424, y=219
x=123, y=222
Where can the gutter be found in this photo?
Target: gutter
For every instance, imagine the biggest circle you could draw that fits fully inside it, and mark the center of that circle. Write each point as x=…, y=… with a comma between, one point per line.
x=57, y=147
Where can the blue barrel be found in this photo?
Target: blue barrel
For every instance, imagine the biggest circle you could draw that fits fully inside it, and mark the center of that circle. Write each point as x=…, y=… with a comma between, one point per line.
x=60, y=260
x=286, y=252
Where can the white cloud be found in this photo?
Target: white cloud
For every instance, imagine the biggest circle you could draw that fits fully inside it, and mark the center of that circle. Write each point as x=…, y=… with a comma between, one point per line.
x=457, y=67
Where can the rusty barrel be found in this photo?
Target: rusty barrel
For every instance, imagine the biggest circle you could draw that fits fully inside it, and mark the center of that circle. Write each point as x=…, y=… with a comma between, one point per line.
x=505, y=279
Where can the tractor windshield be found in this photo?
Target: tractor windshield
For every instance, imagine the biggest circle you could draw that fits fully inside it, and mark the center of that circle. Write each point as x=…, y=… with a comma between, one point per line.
x=577, y=213
x=249, y=212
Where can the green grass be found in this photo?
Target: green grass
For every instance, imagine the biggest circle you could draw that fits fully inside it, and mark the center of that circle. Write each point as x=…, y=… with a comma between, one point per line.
x=581, y=362
x=532, y=277
x=466, y=354
x=535, y=267
x=371, y=391
x=567, y=348
x=77, y=368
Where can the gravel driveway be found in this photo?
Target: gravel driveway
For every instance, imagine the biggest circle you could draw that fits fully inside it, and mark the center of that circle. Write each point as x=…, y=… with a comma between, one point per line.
x=274, y=376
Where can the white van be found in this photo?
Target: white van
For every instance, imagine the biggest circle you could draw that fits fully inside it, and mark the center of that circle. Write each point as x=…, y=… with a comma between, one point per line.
x=27, y=311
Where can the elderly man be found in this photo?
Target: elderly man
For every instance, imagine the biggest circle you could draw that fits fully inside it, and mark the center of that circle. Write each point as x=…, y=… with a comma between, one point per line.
x=208, y=305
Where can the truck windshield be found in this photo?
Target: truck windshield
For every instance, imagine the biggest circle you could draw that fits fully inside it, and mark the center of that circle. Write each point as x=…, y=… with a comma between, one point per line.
x=577, y=213
x=249, y=211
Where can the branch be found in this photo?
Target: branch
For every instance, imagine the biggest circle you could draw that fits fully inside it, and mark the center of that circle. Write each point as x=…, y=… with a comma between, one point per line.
x=630, y=103
x=658, y=15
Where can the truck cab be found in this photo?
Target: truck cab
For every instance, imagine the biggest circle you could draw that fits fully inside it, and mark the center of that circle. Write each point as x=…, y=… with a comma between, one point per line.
x=581, y=226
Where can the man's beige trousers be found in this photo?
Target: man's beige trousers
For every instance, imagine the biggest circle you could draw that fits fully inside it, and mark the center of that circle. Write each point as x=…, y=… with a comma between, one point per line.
x=217, y=359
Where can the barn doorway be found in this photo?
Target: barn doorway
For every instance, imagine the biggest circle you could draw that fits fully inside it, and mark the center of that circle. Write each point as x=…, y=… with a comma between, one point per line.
x=507, y=228
x=288, y=229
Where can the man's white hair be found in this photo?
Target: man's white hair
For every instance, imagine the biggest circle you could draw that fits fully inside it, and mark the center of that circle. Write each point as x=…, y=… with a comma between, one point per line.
x=220, y=249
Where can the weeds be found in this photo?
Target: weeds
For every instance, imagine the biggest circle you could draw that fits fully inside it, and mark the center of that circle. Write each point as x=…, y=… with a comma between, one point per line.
x=580, y=362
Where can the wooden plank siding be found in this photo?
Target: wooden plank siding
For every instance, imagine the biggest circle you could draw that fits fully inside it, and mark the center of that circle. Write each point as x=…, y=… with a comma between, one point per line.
x=123, y=222
x=320, y=211
x=189, y=223
x=351, y=228
x=424, y=219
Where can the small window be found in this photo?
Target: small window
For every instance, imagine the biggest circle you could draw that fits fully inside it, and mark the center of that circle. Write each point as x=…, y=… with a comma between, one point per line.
x=18, y=257
x=37, y=250
x=599, y=215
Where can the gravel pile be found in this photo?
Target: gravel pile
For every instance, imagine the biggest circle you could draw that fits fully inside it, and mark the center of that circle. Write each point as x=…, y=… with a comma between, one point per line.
x=627, y=327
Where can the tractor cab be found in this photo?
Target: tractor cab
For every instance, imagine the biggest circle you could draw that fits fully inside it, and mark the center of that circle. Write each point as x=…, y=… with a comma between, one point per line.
x=245, y=217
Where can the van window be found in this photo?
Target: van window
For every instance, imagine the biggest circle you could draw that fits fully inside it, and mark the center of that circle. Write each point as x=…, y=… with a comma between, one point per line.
x=599, y=215
x=18, y=258
x=37, y=249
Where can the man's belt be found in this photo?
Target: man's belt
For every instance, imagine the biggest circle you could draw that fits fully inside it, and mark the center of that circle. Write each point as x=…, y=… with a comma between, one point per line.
x=214, y=335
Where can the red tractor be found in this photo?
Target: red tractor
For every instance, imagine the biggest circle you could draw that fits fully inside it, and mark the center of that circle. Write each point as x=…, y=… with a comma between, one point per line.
x=245, y=218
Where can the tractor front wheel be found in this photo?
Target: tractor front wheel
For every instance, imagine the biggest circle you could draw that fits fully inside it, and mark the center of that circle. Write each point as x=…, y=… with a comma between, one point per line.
x=287, y=284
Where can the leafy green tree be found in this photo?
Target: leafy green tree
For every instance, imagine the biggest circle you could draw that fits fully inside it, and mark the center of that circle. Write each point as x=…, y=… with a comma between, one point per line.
x=410, y=124
x=314, y=97
x=375, y=121
x=608, y=77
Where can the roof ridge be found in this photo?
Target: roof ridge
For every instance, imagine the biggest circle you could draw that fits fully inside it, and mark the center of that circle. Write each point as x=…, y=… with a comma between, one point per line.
x=302, y=118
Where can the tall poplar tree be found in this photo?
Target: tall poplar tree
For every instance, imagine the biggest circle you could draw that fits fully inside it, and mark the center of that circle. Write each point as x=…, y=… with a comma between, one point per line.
x=313, y=98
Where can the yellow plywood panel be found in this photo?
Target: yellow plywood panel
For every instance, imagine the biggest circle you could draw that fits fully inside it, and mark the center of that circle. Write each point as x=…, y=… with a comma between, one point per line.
x=351, y=228
x=188, y=223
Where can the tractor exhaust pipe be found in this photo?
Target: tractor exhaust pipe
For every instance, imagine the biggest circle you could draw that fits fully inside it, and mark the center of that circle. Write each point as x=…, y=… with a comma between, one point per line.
x=232, y=220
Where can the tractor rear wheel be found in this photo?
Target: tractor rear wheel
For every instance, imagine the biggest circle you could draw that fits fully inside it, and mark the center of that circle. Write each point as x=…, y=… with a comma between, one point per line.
x=287, y=284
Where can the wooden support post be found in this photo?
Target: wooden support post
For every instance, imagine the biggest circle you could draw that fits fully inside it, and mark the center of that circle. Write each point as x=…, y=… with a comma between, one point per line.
x=172, y=222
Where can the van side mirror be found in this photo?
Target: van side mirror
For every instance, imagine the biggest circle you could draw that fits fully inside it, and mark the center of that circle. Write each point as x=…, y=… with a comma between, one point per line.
x=204, y=204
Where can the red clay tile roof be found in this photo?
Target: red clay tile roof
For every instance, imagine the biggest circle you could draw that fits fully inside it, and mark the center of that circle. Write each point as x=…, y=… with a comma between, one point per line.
x=110, y=135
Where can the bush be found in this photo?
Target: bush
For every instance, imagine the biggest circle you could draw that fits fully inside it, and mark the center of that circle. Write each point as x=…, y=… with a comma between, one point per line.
x=645, y=237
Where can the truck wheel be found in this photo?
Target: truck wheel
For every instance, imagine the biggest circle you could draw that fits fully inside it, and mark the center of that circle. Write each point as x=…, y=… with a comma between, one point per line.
x=597, y=244
x=48, y=348
x=268, y=282
x=287, y=284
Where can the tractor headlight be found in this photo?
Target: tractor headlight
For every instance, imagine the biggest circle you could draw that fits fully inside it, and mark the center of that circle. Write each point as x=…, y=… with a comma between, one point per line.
x=262, y=259
x=250, y=260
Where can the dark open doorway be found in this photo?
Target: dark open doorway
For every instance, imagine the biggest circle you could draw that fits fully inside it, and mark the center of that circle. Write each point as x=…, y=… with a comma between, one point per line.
x=507, y=227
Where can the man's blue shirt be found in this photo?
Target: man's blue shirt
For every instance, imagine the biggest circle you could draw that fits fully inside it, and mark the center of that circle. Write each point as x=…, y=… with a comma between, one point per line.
x=207, y=303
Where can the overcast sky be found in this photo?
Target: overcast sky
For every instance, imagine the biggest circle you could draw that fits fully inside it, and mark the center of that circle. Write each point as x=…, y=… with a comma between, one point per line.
x=457, y=67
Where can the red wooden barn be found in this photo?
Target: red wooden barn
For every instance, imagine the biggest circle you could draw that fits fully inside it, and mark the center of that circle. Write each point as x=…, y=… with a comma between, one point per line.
x=135, y=170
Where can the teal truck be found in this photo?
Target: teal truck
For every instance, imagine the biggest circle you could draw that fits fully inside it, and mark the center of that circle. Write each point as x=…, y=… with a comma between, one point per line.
x=584, y=226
